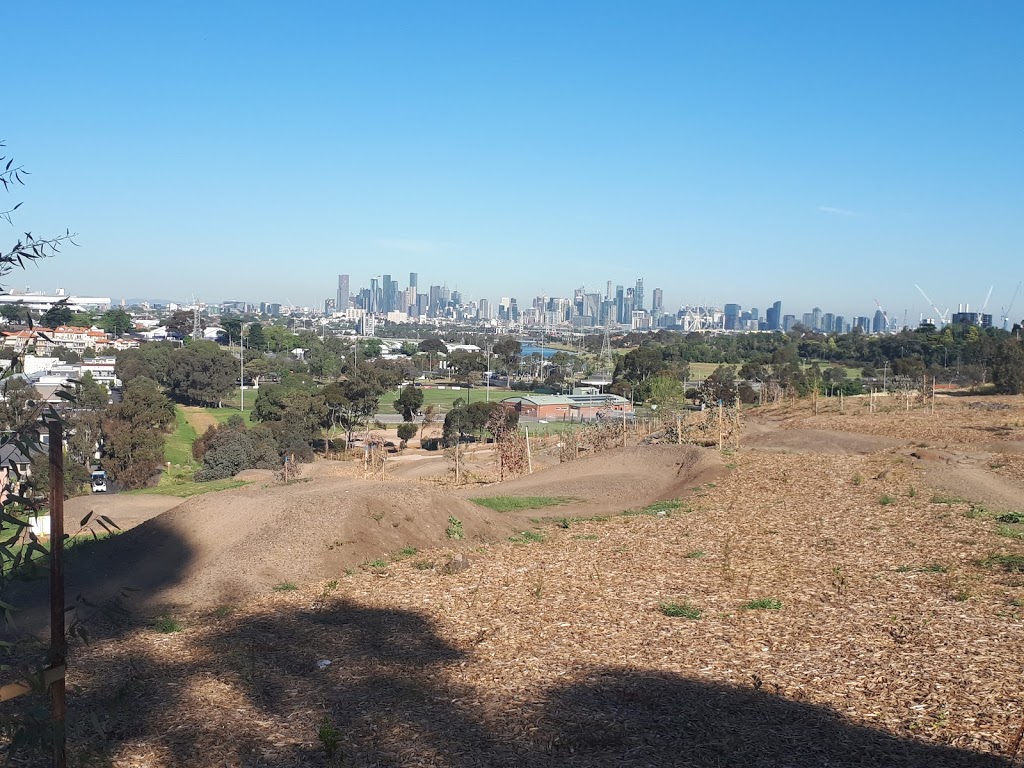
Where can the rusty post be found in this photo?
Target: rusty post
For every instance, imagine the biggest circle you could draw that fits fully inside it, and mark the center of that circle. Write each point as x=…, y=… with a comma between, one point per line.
x=58, y=644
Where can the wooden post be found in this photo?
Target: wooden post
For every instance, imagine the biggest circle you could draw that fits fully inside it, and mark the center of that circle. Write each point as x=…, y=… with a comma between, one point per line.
x=383, y=461
x=458, y=447
x=679, y=430
x=721, y=425
x=529, y=455
x=933, y=394
x=623, y=429
x=737, y=423
x=58, y=644
x=840, y=401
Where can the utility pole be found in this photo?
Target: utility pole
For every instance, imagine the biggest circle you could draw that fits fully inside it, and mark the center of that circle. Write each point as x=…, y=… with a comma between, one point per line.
x=58, y=642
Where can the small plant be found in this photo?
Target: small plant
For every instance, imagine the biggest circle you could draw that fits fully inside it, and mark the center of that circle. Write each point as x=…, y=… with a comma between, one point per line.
x=941, y=498
x=454, y=529
x=762, y=604
x=912, y=492
x=167, y=625
x=695, y=555
x=586, y=537
x=513, y=503
x=1010, y=531
x=934, y=568
x=378, y=564
x=838, y=580
x=885, y=500
x=423, y=565
x=525, y=537
x=684, y=610
x=1009, y=563
x=286, y=586
x=223, y=611
x=857, y=479
x=657, y=509
x=1011, y=517
x=407, y=551
x=904, y=569
x=330, y=738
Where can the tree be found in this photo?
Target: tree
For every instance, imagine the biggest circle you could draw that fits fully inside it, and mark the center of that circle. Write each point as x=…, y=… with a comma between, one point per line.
x=464, y=363
x=666, y=392
x=719, y=386
x=409, y=402
x=14, y=313
x=58, y=314
x=433, y=345
x=509, y=351
x=456, y=423
x=116, y=321
x=256, y=337
x=133, y=434
x=17, y=404
x=201, y=372
x=179, y=323
x=406, y=432
x=92, y=395
x=1008, y=367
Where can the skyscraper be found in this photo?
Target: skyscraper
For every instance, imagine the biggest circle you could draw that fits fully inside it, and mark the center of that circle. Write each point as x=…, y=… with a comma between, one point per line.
x=774, y=316
x=342, y=300
x=638, y=295
x=657, y=297
x=620, y=301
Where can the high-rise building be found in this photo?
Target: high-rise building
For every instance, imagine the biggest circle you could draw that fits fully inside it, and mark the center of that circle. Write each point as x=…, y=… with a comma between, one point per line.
x=788, y=321
x=816, y=319
x=620, y=300
x=374, y=305
x=342, y=300
x=828, y=322
x=774, y=316
x=878, y=324
x=608, y=291
x=414, y=281
x=839, y=324
x=657, y=299
x=385, y=294
x=329, y=306
x=638, y=296
x=732, y=314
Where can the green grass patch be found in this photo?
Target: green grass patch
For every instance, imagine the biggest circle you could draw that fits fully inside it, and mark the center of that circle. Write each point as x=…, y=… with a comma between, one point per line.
x=513, y=503
x=1010, y=531
x=286, y=586
x=657, y=509
x=526, y=537
x=1009, y=563
x=179, y=482
x=1011, y=517
x=762, y=604
x=695, y=555
x=683, y=610
x=378, y=564
x=167, y=625
x=942, y=498
x=407, y=551
x=586, y=537
x=423, y=565
x=178, y=444
x=885, y=500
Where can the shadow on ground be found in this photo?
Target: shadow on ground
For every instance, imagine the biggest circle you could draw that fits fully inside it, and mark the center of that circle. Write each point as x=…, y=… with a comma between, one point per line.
x=250, y=693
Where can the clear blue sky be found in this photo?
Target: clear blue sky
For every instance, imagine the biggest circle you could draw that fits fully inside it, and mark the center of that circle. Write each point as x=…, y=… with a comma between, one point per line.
x=822, y=153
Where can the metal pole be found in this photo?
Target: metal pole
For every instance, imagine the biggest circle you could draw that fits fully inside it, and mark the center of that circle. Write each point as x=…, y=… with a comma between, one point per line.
x=241, y=369
x=58, y=644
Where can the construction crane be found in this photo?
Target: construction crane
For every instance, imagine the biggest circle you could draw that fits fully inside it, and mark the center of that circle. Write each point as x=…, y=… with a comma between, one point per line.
x=941, y=315
x=1006, y=312
x=983, y=306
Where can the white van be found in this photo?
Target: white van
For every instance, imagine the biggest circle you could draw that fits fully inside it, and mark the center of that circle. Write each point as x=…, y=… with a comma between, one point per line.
x=99, y=482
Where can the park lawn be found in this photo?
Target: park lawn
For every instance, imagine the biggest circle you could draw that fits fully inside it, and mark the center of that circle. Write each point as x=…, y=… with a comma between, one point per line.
x=443, y=398
x=225, y=413
x=178, y=444
x=179, y=482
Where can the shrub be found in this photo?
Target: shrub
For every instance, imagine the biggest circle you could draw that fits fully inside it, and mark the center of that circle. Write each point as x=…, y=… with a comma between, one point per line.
x=685, y=610
x=762, y=604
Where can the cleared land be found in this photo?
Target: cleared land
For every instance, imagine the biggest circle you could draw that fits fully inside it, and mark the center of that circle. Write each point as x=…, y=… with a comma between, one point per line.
x=812, y=599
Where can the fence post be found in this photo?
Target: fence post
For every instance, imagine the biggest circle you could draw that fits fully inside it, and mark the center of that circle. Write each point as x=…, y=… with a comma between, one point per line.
x=58, y=644
x=529, y=455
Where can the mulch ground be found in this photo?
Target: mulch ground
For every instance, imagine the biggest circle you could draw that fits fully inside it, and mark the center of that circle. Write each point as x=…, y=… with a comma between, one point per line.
x=897, y=642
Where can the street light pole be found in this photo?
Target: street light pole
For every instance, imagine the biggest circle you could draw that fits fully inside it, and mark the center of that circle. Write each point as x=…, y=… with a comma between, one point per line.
x=241, y=368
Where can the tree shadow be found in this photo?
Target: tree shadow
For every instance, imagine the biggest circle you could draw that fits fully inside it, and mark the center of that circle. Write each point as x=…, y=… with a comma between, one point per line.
x=393, y=694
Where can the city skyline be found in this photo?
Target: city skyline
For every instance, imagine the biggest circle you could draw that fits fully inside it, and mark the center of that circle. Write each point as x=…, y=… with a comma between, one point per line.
x=827, y=155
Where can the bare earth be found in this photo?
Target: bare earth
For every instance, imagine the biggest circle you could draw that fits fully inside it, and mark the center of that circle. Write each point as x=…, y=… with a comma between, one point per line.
x=896, y=639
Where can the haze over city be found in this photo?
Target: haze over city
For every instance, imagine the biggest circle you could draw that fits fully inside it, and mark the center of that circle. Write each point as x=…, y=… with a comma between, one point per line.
x=821, y=155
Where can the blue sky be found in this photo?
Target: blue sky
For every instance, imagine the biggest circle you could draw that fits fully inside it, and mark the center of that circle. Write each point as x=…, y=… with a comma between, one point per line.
x=819, y=153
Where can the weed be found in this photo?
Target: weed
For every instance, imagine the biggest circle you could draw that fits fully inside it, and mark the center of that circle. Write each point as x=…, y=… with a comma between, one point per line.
x=977, y=512
x=454, y=529
x=1010, y=531
x=586, y=537
x=904, y=569
x=407, y=551
x=912, y=492
x=885, y=500
x=961, y=595
x=934, y=568
x=378, y=564
x=838, y=580
x=330, y=738
x=167, y=625
x=512, y=503
x=997, y=465
x=762, y=604
x=857, y=479
x=1011, y=517
x=657, y=509
x=941, y=498
x=286, y=586
x=695, y=555
x=1009, y=563
x=223, y=611
x=685, y=610
x=423, y=565
x=526, y=537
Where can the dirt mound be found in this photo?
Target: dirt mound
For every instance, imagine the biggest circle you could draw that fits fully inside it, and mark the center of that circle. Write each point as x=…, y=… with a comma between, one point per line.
x=257, y=475
x=818, y=441
x=618, y=479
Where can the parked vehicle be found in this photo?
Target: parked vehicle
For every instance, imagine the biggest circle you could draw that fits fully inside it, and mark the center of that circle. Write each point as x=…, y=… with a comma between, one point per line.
x=99, y=481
